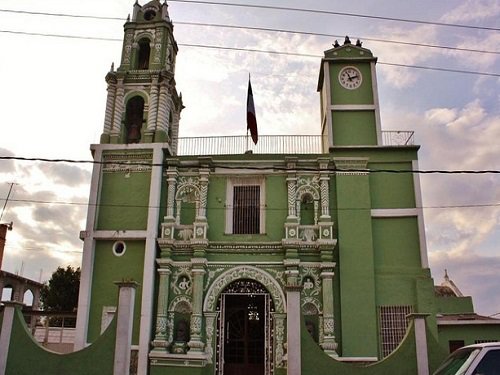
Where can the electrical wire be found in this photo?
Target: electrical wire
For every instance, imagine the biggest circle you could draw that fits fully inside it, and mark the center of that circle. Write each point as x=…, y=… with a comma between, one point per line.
x=218, y=25
x=488, y=74
x=211, y=208
x=319, y=11
x=275, y=168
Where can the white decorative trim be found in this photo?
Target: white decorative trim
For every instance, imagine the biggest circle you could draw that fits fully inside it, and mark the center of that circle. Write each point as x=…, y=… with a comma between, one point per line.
x=149, y=263
x=357, y=359
x=119, y=234
x=329, y=125
x=245, y=181
x=87, y=269
x=243, y=272
x=114, y=249
x=421, y=225
x=394, y=212
x=352, y=107
x=378, y=123
x=466, y=322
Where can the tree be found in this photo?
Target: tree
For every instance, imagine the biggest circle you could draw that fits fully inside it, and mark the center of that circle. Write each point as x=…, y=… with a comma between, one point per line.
x=60, y=293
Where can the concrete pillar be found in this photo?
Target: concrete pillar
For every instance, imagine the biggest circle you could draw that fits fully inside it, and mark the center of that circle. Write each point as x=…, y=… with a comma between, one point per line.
x=293, y=329
x=124, y=325
x=421, y=343
x=5, y=333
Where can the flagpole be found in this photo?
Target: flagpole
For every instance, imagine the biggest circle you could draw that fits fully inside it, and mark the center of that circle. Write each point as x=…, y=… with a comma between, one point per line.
x=248, y=148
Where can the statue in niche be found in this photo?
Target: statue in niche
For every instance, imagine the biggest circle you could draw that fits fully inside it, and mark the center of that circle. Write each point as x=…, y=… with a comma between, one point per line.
x=181, y=337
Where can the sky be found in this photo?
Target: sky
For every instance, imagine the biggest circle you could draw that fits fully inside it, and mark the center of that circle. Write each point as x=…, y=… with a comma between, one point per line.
x=53, y=97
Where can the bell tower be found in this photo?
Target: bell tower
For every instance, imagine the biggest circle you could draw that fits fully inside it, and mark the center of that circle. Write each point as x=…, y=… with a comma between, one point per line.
x=350, y=114
x=142, y=104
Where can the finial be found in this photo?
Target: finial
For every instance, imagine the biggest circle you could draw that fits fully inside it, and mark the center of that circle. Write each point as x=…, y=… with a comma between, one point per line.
x=336, y=44
x=359, y=43
x=112, y=67
x=446, y=274
x=128, y=18
x=347, y=40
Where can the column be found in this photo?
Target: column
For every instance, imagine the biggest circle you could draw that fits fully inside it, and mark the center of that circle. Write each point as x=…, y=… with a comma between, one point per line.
x=172, y=183
x=328, y=344
x=117, y=119
x=293, y=329
x=160, y=341
x=324, y=185
x=108, y=116
x=421, y=343
x=210, y=328
x=153, y=111
x=293, y=322
x=124, y=324
x=163, y=107
x=195, y=343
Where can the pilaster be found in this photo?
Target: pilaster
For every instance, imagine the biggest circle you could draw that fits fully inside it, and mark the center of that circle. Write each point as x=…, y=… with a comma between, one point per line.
x=196, y=344
x=328, y=344
x=160, y=341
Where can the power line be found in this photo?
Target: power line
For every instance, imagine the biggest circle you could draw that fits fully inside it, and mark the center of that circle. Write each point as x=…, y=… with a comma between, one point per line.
x=256, y=50
x=276, y=168
x=310, y=33
x=267, y=209
x=218, y=25
x=319, y=11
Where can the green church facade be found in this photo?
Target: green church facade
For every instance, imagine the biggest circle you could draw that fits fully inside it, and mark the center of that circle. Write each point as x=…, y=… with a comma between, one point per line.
x=246, y=261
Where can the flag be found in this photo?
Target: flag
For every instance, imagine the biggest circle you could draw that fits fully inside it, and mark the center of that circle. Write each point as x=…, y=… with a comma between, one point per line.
x=251, y=119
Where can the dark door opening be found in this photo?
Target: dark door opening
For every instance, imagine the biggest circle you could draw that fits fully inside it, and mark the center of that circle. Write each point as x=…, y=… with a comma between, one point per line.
x=244, y=326
x=245, y=333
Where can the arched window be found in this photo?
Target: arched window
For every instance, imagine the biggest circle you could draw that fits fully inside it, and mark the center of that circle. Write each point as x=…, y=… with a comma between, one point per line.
x=307, y=210
x=134, y=118
x=144, y=52
x=28, y=298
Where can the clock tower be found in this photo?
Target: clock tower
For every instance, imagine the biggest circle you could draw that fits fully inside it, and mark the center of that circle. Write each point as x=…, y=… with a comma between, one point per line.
x=142, y=104
x=349, y=99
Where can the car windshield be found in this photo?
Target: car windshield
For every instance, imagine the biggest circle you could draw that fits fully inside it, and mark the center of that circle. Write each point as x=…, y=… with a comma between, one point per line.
x=457, y=362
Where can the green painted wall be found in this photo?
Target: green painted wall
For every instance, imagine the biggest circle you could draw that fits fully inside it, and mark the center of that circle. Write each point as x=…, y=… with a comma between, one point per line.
x=354, y=128
x=454, y=305
x=469, y=333
x=396, y=243
x=124, y=201
x=109, y=268
x=276, y=207
x=356, y=267
x=27, y=357
x=392, y=190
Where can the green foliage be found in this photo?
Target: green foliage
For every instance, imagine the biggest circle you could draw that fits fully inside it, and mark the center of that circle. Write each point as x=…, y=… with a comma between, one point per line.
x=60, y=293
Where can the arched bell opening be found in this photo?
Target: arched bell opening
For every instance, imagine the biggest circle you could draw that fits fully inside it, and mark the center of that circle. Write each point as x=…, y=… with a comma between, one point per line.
x=134, y=118
x=144, y=54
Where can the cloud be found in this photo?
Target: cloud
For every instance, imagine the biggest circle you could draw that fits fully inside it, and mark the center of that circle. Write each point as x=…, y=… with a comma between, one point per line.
x=473, y=10
x=6, y=165
x=65, y=174
x=404, y=54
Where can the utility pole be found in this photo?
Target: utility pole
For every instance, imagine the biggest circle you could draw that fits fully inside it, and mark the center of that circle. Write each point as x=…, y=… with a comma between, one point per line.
x=3, y=226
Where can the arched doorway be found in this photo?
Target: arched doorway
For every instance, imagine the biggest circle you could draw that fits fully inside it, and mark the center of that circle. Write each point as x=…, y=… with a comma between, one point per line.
x=244, y=345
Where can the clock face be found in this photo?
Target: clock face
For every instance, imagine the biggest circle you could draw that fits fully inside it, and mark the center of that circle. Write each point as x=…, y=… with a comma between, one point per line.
x=350, y=78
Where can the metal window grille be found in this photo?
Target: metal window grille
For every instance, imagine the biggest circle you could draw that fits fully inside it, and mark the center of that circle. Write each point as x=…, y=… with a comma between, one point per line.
x=246, y=209
x=393, y=323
